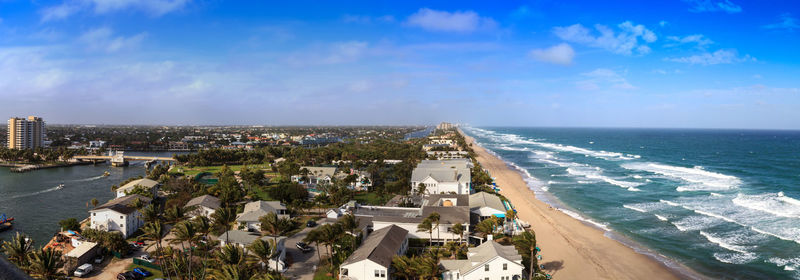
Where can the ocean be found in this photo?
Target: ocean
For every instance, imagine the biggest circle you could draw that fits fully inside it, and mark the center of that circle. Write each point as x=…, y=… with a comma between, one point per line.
x=37, y=205
x=725, y=203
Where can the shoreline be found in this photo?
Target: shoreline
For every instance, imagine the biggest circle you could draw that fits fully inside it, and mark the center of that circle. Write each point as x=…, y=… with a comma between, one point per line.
x=574, y=248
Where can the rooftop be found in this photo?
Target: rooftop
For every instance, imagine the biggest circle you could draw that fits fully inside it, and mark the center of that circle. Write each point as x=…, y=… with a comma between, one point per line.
x=380, y=246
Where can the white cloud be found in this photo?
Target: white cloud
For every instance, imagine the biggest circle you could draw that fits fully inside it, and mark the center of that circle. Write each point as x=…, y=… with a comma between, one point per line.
x=625, y=41
x=458, y=21
x=103, y=39
x=786, y=22
x=699, y=39
x=603, y=78
x=367, y=19
x=558, y=54
x=717, y=57
x=70, y=7
x=699, y=6
x=336, y=53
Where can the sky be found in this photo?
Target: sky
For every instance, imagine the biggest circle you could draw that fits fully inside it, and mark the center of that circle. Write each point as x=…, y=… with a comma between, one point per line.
x=677, y=64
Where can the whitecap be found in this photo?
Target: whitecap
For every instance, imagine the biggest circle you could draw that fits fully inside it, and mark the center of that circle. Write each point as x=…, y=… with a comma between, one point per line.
x=698, y=179
x=773, y=203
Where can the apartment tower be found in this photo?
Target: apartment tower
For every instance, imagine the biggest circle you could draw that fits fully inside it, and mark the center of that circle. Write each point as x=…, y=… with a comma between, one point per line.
x=25, y=133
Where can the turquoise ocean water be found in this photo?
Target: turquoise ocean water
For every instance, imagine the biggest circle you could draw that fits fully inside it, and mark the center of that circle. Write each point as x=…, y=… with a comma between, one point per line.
x=724, y=203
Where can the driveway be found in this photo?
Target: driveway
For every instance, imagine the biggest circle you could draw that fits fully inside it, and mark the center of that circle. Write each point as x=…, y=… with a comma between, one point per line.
x=303, y=264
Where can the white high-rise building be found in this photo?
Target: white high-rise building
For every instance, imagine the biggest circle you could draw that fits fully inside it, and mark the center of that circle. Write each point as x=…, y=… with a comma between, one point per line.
x=26, y=133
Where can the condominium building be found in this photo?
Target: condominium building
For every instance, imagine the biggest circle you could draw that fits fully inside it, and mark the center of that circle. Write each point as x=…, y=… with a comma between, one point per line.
x=25, y=133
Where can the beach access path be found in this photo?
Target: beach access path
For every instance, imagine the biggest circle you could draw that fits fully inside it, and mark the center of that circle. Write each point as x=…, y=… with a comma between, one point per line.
x=570, y=248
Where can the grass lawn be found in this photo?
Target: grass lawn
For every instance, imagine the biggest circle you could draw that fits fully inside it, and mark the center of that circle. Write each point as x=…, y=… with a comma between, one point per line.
x=192, y=171
x=262, y=193
x=156, y=273
x=321, y=272
x=370, y=198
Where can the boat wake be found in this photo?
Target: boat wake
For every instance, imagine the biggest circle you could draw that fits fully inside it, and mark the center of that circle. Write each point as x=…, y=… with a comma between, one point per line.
x=34, y=193
x=89, y=179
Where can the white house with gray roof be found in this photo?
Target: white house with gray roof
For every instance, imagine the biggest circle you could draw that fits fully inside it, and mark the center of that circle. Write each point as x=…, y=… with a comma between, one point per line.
x=485, y=205
x=118, y=215
x=203, y=205
x=442, y=176
x=151, y=185
x=316, y=175
x=373, y=259
x=249, y=218
x=490, y=260
x=452, y=209
x=243, y=239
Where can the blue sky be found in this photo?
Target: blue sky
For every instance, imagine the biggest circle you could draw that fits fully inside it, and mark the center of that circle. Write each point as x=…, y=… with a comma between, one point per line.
x=704, y=64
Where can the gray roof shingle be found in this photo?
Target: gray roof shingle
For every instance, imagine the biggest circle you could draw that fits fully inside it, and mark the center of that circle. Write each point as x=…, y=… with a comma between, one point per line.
x=380, y=246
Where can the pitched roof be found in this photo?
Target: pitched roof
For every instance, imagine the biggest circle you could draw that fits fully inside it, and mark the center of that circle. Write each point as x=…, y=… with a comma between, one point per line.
x=320, y=170
x=448, y=214
x=123, y=204
x=245, y=237
x=477, y=256
x=257, y=209
x=147, y=183
x=484, y=199
x=380, y=246
x=204, y=200
x=443, y=171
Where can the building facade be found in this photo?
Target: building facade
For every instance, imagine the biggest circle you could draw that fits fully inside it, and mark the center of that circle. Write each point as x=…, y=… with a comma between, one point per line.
x=25, y=133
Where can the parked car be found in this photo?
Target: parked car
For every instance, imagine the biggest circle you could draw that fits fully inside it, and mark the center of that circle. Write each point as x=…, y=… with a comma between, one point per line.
x=142, y=272
x=138, y=244
x=83, y=270
x=148, y=258
x=130, y=275
x=303, y=247
x=99, y=259
x=311, y=223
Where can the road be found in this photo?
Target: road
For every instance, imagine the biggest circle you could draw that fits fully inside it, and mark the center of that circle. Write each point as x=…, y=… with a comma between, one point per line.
x=303, y=264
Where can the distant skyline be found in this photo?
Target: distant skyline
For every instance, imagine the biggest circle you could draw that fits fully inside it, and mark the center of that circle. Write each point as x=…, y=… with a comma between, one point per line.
x=677, y=64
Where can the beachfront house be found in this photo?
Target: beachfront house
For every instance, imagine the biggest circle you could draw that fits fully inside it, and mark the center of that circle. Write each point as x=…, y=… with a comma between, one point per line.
x=150, y=185
x=373, y=259
x=243, y=239
x=485, y=205
x=490, y=260
x=119, y=215
x=452, y=209
x=442, y=176
x=249, y=219
x=315, y=176
x=203, y=205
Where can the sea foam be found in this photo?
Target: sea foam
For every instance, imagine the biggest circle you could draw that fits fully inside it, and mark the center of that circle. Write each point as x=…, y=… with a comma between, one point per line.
x=698, y=178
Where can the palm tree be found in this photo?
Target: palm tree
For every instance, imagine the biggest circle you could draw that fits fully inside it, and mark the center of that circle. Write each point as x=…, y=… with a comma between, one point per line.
x=224, y=218
x=435, y=217
x=174, y=214
x=260, y=252
x=232, y=272
x=421, y=188
x=275, y=227
x=155, y=231
x=185, y=232
x=138, y=204
x=329, y=234
x=427, y=266
x=314, y=236
x=526, y=242
x=510, y=216
x=403, y=267
x=45, y=263
x=18, y=249
x=203, y=227
x=427, y=226
x=458, y=229
x=230, y=255
x=350, y=224
x=94, y=202
x=150, y=213
x=454, y=248
x=485, y=228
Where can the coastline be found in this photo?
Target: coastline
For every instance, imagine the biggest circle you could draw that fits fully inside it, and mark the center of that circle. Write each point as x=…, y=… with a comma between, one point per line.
x=572, y=249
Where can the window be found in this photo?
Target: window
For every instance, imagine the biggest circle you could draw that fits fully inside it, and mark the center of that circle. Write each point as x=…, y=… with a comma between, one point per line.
x=377, y=273
x=505, y=266
x=486, y=267
x=383, y=273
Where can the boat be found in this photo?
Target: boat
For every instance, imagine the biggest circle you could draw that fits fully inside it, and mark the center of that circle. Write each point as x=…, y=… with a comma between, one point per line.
x=106, y=174
x=5, y=222
x=60, y=186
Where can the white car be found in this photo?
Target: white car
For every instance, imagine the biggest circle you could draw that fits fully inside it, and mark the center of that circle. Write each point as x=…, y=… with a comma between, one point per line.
x=83, y=270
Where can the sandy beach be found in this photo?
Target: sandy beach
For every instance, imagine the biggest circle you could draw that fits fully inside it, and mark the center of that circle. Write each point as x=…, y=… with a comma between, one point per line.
x=570, y=248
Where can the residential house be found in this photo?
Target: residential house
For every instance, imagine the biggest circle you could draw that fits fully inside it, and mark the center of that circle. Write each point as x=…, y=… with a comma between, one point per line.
x=118, y=215
x=203, y=205
x=83, y=253
x=315, y=176
x=253, y=211
x=373, y=259
x=150, y=185
x=484, y=205
x=490, y=260
x=243, y=239
x=442, y=176
x=452, y=209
